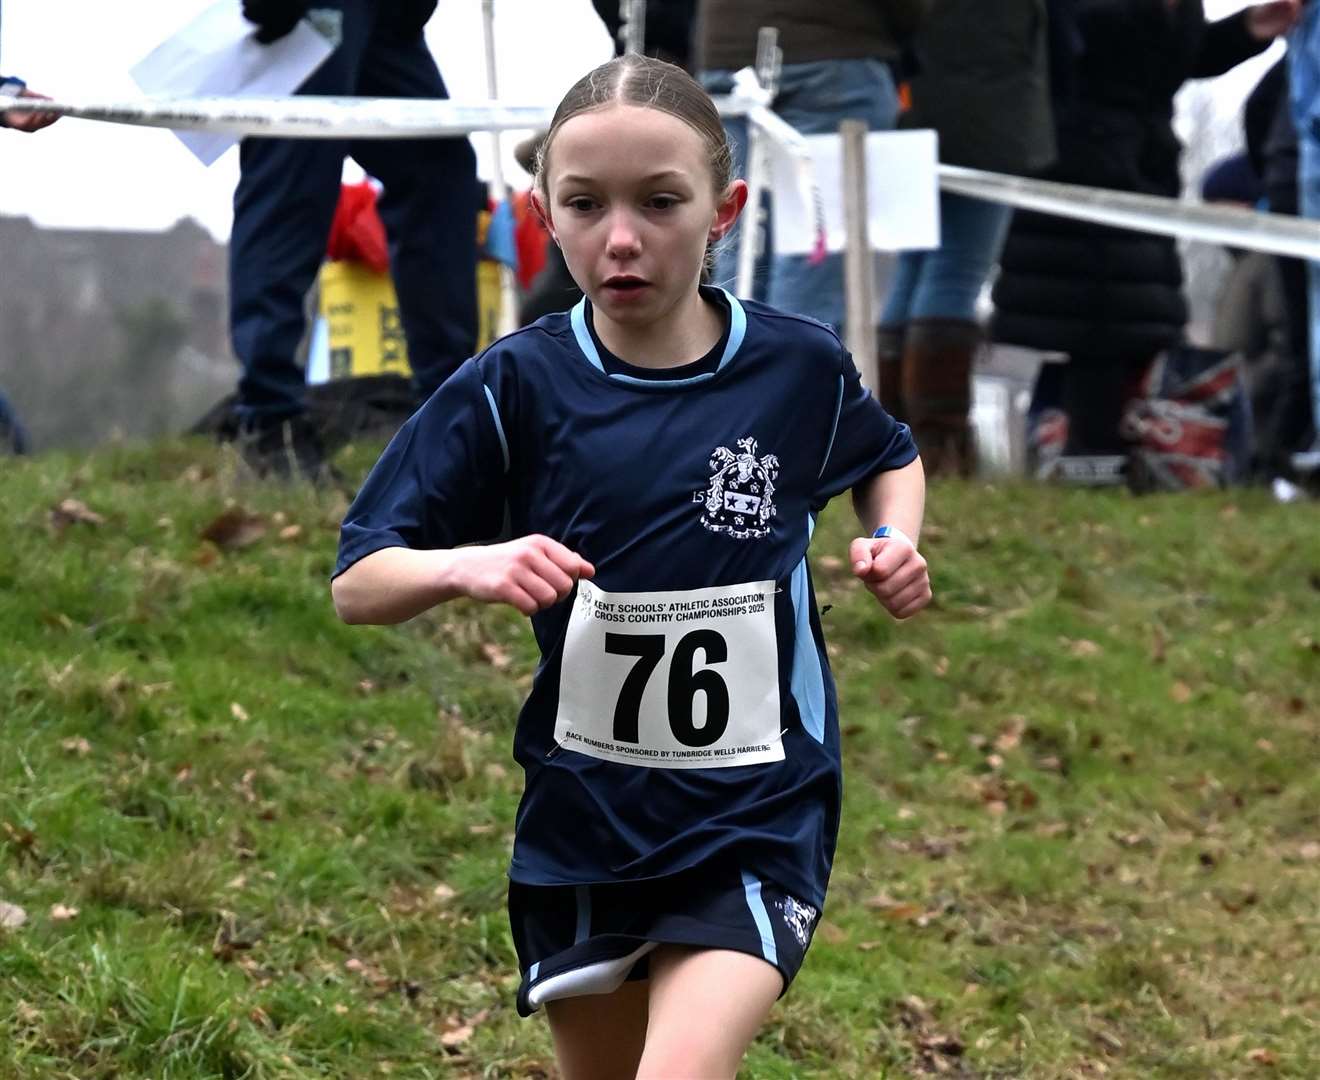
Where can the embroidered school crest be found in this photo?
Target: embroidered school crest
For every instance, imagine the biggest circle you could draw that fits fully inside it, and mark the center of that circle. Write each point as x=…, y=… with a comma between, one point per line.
x=739, y=499
x=799, y=917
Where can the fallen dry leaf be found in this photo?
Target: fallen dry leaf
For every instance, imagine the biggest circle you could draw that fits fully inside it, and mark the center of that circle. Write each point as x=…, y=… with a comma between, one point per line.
x=1261, y=1056
x=1010, y=737
x=497, y=656
x=290, y=532
x=831, y=933
x=443, y=892
x=1158, y=646
x=73, y=512
x=61, y=913
x=897, y=910
x=238, y=712
x=1180, y=692
x=457, y=1036
x=1084, y=649
x=76, y=745
x=1309, y=851
x=458, y=1032
x=11, y=916
x=234, y=529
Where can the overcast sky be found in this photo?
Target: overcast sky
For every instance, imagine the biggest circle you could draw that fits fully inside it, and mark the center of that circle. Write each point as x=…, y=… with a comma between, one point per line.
x=80, y=173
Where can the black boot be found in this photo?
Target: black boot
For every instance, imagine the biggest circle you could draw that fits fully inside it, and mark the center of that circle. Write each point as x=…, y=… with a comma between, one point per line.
x=289, y=449
x=937, y=391
x=889, y=364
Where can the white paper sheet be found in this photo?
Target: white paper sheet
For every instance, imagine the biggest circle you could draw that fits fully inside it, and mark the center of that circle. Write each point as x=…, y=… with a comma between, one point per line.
x=218, y=55
x=902, y=192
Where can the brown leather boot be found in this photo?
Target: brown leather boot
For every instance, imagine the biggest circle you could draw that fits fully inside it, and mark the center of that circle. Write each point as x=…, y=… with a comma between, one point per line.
x=889, y=363
x=937, y=391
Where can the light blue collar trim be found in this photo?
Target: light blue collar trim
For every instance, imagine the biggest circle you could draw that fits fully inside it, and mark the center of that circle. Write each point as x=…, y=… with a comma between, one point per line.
x=737, y=331
x=578, y=317
x=737, y=328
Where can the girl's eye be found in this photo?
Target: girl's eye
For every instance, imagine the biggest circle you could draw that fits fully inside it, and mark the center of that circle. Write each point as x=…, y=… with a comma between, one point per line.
x=661, y=202
x=581, y=204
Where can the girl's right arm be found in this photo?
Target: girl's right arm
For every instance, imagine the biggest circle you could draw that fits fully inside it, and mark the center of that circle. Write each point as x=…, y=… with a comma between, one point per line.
x=393, y=584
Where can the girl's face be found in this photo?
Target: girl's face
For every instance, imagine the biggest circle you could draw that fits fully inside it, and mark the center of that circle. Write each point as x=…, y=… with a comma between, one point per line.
x=632, y=203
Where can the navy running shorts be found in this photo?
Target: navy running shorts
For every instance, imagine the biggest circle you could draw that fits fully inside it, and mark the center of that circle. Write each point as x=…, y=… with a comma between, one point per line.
x=589, y=939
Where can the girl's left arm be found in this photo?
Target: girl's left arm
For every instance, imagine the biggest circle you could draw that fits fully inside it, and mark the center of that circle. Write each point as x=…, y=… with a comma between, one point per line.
x=890, y=567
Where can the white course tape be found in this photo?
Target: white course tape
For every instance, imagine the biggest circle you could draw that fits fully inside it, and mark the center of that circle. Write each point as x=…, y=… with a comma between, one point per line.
x=1273, y=233
x=306, y=116
x=302, y=116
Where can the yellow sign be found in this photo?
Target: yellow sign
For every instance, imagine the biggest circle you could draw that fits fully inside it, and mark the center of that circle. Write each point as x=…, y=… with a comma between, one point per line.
x=361, y=312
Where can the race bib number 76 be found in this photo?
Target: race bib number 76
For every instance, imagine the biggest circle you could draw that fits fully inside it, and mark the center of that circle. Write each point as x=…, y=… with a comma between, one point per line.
x=672, y=680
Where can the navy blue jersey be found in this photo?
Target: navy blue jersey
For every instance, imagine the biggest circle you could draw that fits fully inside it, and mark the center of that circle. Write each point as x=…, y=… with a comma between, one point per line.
x=683, y=711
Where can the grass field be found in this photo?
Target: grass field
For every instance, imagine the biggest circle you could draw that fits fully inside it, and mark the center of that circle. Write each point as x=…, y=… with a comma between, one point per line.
x=238, y=839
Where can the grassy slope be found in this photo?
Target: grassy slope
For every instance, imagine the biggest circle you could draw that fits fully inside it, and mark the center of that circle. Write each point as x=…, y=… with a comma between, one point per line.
x=1080, y=836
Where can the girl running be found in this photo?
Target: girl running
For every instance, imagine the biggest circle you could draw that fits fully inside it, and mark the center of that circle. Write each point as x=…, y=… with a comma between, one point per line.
x=641, y=476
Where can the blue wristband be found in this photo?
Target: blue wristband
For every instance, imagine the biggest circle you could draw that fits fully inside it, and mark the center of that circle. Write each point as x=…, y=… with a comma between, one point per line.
x=889, y=532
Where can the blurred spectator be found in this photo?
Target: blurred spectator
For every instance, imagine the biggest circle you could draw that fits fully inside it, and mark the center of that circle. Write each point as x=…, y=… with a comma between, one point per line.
x=13, y=439
x=1283, y=426
x=286, y=201
x=838, y=65
x=1304, y=53
x=668, y=28
x=1112, y=298
x=1251, y=315
x=982, y=82
x=23, y=121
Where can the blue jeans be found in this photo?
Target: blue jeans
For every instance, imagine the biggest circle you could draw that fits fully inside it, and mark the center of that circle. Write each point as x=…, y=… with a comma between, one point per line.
x=945, y=283
x=1308, y=183
x=813, y=98
x=285, y=202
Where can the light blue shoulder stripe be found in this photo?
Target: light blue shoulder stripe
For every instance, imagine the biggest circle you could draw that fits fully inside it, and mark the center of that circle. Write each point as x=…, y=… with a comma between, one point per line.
x=578, y=318
x=834, y=429
x=807, y=681
x=499, y=425
x=756, y=904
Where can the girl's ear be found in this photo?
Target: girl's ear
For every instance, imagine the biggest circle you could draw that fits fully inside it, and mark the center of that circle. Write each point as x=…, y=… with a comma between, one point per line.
x=728, y=209
x=543, y=214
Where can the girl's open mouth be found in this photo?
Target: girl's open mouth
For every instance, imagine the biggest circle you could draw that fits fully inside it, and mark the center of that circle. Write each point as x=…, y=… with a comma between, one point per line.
x=625, y=284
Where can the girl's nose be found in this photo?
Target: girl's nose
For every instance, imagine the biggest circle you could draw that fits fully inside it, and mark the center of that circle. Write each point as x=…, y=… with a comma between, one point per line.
x=622, y=240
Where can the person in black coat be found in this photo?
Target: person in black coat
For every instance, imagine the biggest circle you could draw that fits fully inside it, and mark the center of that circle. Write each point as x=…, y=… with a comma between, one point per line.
x=669, y=26
x=982, y=83
x=1112, y=298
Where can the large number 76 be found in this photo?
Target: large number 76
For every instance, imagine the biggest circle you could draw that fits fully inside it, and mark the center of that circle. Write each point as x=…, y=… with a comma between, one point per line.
x=683, y=684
